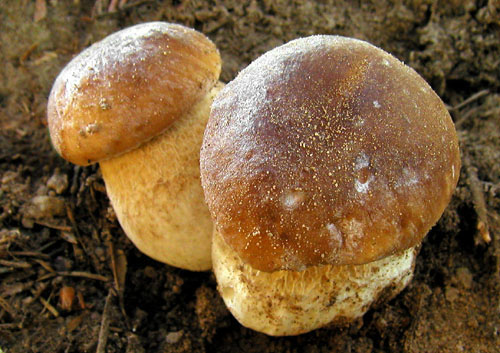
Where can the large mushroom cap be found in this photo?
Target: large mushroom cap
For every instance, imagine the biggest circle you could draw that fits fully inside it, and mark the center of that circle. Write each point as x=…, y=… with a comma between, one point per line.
x=327, y=150
x=128, y=88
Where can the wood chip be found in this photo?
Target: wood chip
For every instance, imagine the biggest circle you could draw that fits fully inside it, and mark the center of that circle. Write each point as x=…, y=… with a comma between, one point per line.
x=74, y=323
x=478, y=201
x=118, y=267
x=104, y=331
x=40, y=10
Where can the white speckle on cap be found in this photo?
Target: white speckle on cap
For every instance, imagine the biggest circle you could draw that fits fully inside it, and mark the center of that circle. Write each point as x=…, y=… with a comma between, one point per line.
x=376, y=104
x=359, y=121
x=362, y=161
x=335, y=236
x=363, y=187
x=353, y=230
x=409, y=177
x=292, y=199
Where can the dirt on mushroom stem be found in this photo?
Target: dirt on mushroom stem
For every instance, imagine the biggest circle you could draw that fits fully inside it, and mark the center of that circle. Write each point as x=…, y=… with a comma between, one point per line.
x=452, y=303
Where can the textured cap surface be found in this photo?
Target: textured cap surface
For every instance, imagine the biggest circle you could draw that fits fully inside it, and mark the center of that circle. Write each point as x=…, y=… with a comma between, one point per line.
x=327, y=150
x=128, y=88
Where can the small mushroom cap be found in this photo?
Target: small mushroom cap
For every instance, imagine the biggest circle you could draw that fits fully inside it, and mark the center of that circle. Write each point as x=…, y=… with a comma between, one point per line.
x=327, y=150
x=128, y=88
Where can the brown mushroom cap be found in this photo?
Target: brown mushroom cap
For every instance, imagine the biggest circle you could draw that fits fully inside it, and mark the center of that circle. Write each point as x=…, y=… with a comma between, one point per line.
x=327, y=150
x=128, y=88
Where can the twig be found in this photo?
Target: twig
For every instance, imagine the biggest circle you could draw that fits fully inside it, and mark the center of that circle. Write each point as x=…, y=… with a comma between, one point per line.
x=6, y=306
x=27, y=53
x=463, y=117
x=74, y=274
x=88, y=254
x=49, y=307
x=11, y=326
x=122, y=7
x=4, y=270
x=119, y=269
x=46, y=246
x=54, y=226
x=84, y=274
x=104, y=331
x=71, y=217
x=46, y=304
x=478, y=201
x=29, y=254
x=15, y=264
x=45, y=265
x=469, y=100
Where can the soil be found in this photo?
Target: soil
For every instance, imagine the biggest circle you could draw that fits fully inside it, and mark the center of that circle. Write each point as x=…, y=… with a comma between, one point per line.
x=70, y=281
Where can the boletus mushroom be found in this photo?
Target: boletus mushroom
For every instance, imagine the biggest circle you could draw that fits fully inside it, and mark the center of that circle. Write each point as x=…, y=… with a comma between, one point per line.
x=137, y=102
x=324, y=164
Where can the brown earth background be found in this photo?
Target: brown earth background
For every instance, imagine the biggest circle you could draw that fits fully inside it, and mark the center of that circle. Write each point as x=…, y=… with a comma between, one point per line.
x=70, y=281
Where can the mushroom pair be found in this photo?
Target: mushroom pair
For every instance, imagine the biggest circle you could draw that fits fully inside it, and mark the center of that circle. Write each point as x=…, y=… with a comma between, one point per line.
x=324, y=164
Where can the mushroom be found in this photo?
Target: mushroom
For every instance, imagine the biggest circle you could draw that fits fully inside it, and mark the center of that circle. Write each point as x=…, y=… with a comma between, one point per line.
x=137, y=102
x=324, y=164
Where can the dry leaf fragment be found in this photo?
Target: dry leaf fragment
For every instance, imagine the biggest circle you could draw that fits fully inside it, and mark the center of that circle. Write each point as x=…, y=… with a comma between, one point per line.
x=66, y=297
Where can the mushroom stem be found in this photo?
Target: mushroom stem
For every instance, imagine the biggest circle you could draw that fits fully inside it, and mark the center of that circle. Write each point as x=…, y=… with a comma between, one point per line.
x=156, y=192
x=287, y=302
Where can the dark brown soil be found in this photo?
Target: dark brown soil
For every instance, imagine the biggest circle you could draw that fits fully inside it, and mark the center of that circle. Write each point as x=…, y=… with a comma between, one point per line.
x=62, y=252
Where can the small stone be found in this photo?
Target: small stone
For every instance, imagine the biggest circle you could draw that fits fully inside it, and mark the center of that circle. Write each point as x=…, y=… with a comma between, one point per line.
x=62, y=263
x=100, y=252
x=69, y=237
x=451, y=293
x=134, y=344
x=9, y=176
x=464, y=277
x=27, y=222
x=58, y=183
x=46, y=207
x=42, y=190
x=150, y=272
x=174, y=337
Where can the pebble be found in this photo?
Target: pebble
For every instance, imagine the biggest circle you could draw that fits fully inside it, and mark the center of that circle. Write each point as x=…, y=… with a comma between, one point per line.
x=100, y=252
x=9, y=176
x=134, y=344
x=464, y=277
x=174, y=337
x=452, y=293
x=58, y=182
x=46, y=207
x=27, y=223
x=62, y=263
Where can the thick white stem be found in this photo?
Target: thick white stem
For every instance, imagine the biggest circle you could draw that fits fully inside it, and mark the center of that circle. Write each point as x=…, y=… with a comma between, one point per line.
x=293, y=302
